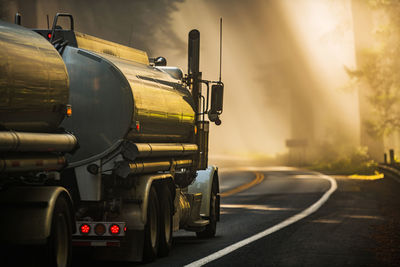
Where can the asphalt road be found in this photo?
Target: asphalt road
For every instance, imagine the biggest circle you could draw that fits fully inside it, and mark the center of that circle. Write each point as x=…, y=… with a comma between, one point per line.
x=358, y=225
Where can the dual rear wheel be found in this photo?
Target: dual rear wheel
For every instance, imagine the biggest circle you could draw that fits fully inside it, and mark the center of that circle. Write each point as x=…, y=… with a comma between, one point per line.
x=58, y=248
x=60, y=244
x=158, y=229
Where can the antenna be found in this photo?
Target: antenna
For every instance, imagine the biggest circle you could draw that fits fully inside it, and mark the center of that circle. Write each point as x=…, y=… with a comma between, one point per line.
x=48, y=23
x=220, y=48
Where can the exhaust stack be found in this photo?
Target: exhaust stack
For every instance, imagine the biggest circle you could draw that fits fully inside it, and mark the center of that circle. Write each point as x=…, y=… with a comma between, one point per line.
x=194, y=74
x=194, y=81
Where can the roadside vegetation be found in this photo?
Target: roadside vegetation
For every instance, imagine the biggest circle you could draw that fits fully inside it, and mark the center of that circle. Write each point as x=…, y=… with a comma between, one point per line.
x=356, y=161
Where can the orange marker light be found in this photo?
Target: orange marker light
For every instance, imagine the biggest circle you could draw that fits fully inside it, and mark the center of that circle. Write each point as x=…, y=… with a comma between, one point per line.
x=195, y=129
x=69, y=110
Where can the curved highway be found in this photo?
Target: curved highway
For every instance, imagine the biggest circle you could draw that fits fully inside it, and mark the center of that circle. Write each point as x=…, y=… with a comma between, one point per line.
x=288, y=217
x=253, y=200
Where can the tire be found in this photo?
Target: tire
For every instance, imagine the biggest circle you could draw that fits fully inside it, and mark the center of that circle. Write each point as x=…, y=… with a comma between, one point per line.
x=59, y=245
x=57, y=251
x=166, y=212
x=211, y=228
x=152, y=228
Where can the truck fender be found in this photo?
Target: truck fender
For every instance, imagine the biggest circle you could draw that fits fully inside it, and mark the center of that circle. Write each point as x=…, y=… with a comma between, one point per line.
x=135, y=209
x=203, y=184
x=27, y=213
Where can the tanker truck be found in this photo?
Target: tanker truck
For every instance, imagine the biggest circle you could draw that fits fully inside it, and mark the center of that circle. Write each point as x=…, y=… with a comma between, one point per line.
x=102, y=146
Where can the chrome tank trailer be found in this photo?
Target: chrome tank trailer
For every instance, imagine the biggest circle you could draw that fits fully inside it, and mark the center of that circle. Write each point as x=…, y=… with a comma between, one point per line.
x=34, y=101
x=33, y=81
x=140, y=170
x=116, y=99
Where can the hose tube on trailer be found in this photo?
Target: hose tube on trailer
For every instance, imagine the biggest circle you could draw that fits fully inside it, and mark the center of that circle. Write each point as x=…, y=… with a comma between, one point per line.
x=36, y=142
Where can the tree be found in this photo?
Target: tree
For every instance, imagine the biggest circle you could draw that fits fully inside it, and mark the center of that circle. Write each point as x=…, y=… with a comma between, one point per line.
x=380, y=69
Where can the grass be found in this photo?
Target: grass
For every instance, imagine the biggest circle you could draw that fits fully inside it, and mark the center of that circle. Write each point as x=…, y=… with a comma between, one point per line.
x=356, y=162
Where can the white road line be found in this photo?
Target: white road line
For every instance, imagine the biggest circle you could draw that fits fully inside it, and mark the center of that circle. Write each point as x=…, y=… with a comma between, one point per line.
x=311, y=209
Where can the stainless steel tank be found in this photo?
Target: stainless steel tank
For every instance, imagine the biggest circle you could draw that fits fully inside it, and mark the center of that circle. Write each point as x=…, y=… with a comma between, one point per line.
x=33, y=81
x=116, y=99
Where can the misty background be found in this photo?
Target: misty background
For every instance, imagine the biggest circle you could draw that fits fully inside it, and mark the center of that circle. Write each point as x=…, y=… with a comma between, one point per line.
x=284, y=66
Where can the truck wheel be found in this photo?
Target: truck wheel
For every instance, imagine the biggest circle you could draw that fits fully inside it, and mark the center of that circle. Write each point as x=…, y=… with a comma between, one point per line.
x=152, y=228
x=211, y=228
x=58, y=247
x=166, y=210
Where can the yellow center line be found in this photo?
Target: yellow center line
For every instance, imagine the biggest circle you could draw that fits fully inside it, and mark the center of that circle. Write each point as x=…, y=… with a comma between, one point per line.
x=259, y=178
x=376, y=176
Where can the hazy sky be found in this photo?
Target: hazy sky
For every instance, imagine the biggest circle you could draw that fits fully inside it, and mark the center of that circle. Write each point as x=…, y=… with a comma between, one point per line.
x=280, y=59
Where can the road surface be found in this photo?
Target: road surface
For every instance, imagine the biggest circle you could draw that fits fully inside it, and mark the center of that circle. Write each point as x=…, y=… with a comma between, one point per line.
x=290, y=217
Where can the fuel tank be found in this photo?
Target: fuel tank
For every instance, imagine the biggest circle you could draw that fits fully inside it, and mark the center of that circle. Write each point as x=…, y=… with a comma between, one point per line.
x=33, y=81
x=117, y=99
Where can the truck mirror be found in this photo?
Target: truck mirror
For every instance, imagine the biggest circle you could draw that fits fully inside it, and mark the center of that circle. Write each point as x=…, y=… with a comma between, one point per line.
x=217, y=98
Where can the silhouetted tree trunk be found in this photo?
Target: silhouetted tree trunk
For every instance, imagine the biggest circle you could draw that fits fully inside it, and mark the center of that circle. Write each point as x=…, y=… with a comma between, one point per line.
x=362, y=23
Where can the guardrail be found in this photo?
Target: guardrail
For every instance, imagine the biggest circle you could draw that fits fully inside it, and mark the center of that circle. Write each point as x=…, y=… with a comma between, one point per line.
x=393, y=170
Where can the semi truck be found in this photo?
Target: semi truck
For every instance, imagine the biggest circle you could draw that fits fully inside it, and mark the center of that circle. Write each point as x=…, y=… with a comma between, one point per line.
x=102, y=146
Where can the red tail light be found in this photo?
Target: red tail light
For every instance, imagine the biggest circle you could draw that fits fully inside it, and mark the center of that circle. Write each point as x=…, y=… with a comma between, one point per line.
x=85, y=229
x=114, y=229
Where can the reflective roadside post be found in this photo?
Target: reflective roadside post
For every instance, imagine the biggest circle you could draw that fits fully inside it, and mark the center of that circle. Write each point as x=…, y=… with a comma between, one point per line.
x=391, y=154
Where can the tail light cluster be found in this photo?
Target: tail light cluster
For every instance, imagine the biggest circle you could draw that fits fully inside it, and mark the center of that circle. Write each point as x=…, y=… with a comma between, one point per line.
x=100, y=229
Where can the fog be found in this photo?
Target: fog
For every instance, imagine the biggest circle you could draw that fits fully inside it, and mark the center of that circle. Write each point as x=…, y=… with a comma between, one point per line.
x=283, y=67
x=283, y=63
